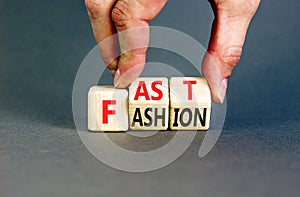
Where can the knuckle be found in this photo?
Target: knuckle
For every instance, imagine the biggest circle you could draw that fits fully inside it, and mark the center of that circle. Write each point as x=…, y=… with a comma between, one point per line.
x=232, y=56
x=95, y=8
x=120, y=13
x=92, y=4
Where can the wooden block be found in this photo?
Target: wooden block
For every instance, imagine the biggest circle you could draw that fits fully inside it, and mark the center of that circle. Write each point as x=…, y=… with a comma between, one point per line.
x=107, y=109
x=149, y=104
x=190, y=103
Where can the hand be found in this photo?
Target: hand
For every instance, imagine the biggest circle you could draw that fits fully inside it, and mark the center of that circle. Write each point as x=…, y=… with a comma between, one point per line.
x=110, y=16
x=232, y=18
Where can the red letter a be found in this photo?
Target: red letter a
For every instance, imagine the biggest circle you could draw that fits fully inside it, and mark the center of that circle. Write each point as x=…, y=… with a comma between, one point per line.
x=141, y=91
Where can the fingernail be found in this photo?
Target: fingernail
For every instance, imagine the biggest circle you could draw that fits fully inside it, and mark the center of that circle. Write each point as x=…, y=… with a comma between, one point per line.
x=112, y=72
x=116, y=79
x=120, y=81
x=221, y=93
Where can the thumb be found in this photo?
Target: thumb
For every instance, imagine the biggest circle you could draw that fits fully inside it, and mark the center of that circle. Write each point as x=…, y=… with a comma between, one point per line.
x=232, y=19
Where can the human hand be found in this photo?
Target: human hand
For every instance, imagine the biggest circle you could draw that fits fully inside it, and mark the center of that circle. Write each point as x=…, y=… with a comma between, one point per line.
x=232, y=18
x=111, y=16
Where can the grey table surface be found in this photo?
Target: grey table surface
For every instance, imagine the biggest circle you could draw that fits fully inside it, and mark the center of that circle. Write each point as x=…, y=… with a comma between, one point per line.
x=42, y=44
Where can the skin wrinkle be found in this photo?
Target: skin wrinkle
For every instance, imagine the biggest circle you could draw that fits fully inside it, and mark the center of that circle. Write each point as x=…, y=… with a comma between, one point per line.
x=98, y=9
x=232, y=55
x=121, y=14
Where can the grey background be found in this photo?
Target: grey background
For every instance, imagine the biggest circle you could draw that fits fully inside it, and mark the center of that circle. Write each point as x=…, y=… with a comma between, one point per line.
x=42, y=44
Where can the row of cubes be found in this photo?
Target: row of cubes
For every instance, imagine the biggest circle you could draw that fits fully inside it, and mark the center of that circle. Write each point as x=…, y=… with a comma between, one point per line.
x=181, y=103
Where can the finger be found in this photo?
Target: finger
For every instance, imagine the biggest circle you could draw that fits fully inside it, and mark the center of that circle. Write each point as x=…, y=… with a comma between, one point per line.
x=232, y=18
x=100, y=16
x=131, y=21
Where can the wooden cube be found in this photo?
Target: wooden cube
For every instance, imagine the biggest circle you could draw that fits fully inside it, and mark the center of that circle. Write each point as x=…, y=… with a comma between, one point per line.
x=107, y=109
x=149, y=104
x=190, y=103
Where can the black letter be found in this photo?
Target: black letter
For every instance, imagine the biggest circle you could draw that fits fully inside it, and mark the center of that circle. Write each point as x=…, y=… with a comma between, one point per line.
x=185, y=124
x=162, y=117
x=148, y=117
x=202, y=120
x=135, y=119
x=176, y=110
